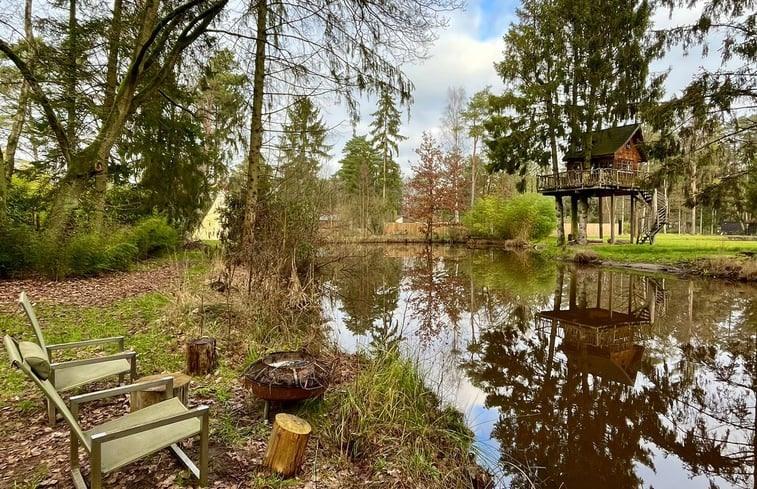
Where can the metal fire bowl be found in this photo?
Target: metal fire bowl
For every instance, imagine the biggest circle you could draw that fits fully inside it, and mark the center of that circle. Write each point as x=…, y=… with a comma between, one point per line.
x=279, y=393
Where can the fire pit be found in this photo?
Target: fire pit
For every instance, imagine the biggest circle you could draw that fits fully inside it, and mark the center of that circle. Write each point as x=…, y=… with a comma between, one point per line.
x=286, y=376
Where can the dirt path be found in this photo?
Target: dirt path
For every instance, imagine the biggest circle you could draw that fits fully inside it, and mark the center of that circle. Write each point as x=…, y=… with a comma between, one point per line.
x=92, y=291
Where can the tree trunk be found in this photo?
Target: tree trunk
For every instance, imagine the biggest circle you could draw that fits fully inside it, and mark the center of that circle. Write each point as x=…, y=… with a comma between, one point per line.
x=574, y=217
x=8, y=158
x=560, y=220
x=154, y=395
x=201, y=356
x=72, y=50
x=287, y=444
x=601, y=219
x=583, y=214
x=255, y=159
x=114, y=39
x=474, y=169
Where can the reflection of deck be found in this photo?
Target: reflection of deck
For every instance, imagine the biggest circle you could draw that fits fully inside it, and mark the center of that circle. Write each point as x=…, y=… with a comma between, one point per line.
x=594, y=317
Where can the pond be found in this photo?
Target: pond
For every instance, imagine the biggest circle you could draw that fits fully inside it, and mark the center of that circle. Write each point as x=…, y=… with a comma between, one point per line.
x=570, y=377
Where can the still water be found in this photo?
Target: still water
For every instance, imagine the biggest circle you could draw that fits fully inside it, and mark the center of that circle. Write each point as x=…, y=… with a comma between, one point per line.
x=569, y=377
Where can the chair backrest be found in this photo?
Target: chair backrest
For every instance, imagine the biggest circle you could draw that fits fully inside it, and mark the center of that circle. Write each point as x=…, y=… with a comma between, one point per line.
x=23, y=299
x=17, y=360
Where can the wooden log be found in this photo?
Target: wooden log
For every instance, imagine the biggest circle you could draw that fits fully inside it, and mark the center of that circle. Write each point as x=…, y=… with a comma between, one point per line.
x=153, y=395
x=201, y=356
x=286, y=447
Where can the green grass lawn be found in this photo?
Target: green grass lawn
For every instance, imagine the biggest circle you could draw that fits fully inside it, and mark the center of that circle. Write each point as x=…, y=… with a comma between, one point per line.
x=668, y=249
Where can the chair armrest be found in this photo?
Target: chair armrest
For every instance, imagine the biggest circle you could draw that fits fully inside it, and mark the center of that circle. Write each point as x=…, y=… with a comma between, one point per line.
x=89, y=361
x=117, y=391
x=82, y=344
x=113, y=435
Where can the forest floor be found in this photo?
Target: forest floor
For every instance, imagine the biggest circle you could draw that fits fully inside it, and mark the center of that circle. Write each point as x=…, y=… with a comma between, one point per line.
x=157, y=308
x=712, y=256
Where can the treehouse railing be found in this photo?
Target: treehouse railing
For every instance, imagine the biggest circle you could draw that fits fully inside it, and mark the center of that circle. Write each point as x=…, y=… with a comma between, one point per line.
x=597, y=177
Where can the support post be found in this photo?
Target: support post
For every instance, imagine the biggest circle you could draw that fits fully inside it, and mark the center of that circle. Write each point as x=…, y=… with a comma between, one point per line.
x=560, y=220
x=574, y=217
x=612, y=218
x=583, y=212
x=601, y=218
x=633, y=219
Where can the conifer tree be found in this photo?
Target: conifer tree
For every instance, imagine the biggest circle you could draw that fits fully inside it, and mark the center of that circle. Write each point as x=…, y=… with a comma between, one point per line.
x=360, y=174
x=385, y=137
x=302, y=146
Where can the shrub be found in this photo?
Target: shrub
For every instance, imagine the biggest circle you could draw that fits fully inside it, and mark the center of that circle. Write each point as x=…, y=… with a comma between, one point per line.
x=15, y=251
x=525, y=216
x=529, y=216
x=152, y=236
x=120, y=256
x=84, y=254
x=485, y=219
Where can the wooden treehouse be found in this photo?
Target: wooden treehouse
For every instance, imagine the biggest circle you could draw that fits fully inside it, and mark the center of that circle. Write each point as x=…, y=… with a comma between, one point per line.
x=616, y=171
x=603, y=338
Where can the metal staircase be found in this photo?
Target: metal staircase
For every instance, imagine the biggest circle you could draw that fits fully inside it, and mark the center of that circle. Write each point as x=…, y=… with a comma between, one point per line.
x=660, y=220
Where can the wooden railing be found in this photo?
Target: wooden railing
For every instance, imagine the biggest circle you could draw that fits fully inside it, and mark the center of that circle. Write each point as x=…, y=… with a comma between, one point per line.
x=598, y=177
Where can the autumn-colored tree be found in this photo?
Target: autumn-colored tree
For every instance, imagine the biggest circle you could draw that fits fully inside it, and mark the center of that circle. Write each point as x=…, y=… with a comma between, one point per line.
x=455, y=181
x=425, y=191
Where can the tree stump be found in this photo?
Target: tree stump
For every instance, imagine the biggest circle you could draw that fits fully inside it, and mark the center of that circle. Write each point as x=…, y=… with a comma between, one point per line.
x=286, y=447
x=201, y=356
x=154, y=395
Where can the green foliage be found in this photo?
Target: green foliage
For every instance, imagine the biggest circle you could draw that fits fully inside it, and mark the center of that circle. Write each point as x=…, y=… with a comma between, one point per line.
x=23, y=249
x=385, y=138
x=153, y=236
x=15, y=243
x=485, y=219
x=524, y=216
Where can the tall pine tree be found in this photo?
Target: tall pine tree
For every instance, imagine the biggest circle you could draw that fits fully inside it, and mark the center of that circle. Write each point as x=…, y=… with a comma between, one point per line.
x=385, y=138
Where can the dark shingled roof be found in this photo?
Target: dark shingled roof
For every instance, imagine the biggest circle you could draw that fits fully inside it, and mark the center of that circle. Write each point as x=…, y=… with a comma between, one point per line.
x=606, y=141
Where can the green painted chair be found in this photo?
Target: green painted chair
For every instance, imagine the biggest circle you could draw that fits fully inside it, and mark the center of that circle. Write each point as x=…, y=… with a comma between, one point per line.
x=66, y=376
x=116, y=443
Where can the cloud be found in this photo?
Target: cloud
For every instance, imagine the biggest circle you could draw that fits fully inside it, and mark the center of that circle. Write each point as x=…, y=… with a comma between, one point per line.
x=464, y=56
x=461, y=57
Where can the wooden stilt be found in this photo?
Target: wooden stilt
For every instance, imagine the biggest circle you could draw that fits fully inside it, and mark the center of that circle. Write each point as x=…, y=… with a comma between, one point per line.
x=612, y=218
x=573, y=217
x=633, y=219
x=601, y=218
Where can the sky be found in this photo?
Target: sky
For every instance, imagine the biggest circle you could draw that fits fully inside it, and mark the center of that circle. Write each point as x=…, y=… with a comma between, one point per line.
x=464, y=56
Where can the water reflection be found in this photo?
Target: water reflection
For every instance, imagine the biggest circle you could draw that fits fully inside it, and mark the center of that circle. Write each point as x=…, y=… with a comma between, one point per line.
x=574, y=378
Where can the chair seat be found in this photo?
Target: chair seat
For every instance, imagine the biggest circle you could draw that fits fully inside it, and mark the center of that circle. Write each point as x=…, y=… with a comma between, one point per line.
x=119, y=452
x=72, y=377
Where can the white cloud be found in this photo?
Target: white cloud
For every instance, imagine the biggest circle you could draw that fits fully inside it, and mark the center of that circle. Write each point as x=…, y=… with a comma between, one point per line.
x=463, y=57
x=458, y=58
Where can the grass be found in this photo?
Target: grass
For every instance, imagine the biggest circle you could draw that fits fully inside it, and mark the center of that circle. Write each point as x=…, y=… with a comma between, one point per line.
x=672, y=249
x=388, y=416
x=385, y=421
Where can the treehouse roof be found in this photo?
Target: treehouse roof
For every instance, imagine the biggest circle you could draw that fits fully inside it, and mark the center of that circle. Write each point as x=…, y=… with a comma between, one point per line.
x=607, y=141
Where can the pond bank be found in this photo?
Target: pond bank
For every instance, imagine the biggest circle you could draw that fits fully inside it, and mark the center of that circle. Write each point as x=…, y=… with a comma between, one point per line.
x=702, y=256
x=377, y=426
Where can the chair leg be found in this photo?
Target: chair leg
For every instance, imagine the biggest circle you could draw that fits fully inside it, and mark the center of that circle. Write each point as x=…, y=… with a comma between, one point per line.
x=204, y=451
x=51, y=413
x=95, y=472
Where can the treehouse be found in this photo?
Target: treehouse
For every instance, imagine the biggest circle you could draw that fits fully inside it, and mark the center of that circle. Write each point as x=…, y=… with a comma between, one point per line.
x=615, y=170
x=602, y=339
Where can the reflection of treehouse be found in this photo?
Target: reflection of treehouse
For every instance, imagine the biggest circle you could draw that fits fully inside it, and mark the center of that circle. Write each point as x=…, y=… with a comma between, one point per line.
x=601, y=340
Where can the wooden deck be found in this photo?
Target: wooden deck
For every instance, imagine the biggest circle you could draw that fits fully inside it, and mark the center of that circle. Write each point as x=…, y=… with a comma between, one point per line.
x=594, y=179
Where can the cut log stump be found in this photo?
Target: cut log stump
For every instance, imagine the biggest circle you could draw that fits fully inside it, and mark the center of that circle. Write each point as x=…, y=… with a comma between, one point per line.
x=201, y=356
x=286, y=447
x=154, y=395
